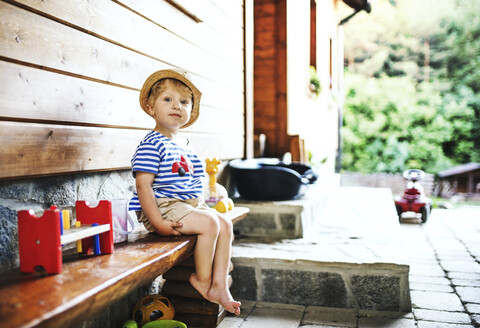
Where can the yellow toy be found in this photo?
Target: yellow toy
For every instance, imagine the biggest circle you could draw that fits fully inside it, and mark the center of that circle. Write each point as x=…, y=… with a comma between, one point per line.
x=216, y=195
x=151, y=308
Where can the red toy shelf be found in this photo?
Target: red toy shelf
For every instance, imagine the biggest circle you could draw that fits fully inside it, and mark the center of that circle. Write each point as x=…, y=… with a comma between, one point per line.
x=40, y=239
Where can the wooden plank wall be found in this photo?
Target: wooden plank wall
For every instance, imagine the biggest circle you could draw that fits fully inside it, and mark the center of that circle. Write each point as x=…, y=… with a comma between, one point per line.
x=270, y=78
x=71, y=71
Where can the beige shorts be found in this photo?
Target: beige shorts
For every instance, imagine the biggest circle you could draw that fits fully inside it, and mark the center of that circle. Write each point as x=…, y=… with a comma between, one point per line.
x=173, y=210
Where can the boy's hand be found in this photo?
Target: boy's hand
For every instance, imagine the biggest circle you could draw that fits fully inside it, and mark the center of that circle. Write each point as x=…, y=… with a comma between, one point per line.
x=168, y=228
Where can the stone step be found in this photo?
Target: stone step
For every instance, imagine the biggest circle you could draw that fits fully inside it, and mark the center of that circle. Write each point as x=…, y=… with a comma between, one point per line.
x=364, y=286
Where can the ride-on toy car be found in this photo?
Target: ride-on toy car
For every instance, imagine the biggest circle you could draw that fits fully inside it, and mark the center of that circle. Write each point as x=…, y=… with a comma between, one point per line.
x=413, y=198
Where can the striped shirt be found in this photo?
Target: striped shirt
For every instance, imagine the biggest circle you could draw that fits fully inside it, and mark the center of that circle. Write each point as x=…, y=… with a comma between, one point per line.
x=162, y=157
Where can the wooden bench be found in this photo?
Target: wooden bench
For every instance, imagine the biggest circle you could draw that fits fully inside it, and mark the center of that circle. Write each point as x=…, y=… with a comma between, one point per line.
x=88, y=284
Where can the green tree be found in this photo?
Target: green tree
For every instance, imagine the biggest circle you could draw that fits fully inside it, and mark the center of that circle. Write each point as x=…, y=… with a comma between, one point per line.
x=412, y=86
x=457, y=59
x=387, y=131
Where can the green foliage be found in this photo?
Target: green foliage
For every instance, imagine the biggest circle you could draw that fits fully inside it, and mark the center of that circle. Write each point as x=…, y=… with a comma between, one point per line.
x=413, y=88
x=391, y=123
x=315, y=85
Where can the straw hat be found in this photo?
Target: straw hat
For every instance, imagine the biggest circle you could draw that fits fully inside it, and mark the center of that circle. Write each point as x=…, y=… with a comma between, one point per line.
x=172, y=74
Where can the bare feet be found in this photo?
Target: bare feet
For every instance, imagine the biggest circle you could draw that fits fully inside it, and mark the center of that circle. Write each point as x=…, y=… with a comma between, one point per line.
x=217, y=295
x=201, y=286
x=223, y=297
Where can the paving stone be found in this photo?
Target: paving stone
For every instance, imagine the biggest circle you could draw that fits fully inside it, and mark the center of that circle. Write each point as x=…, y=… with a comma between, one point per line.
x=453, y=255
x=385, y=314
x=436, y=301
x=427, y=269
x=442, y=316
x=429, y=280
x=326, y=326
x=329, y=317
x=231, y=322
x=469, y=294
x=380, y=322
x=434, y=324
x=246, y=308
x=278, y=306
x=473, y=308
x=466, y=282
x=268, y=318
x=464, y=275
x=474, y=250
x=414, y=259
x=476, y=319
x=431, y=287
x=447, y=245
x=461, y=266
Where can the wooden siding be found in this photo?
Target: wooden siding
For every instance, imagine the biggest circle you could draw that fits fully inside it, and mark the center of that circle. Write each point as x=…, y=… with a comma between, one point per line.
x=71, y=71
x=270, y=80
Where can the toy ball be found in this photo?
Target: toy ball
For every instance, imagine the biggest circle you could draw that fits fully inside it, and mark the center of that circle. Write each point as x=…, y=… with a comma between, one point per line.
x=151, y=308
x=130, y=324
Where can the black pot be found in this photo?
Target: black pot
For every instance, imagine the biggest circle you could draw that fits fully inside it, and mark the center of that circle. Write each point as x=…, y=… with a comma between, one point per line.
x=270, y=179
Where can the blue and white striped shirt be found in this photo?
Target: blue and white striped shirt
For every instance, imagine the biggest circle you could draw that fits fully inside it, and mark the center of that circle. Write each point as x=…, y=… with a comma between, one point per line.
x=162, y=157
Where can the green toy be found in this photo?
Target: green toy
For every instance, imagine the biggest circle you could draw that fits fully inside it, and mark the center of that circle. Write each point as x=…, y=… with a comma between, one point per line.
x=156, y=324
x=165, y=324
x=130, y=324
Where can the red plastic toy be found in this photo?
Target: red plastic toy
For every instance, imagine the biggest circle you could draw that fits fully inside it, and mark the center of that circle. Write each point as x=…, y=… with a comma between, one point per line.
x=183, y=166
x=40, y=239
x=102, y=214
x=413, y=198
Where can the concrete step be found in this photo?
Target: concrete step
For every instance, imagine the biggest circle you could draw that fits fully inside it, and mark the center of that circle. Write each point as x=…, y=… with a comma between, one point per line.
x=376, y=286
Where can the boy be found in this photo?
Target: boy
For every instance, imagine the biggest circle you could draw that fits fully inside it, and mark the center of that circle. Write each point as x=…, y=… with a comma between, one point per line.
x=168, y=179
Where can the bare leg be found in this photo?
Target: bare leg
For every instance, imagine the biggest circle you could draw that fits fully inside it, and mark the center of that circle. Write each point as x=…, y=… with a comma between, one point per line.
x=219, y=292
x=206, y=226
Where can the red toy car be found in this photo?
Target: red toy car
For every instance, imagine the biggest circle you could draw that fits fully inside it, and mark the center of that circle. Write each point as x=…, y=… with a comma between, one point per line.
x=413, y=198
x=183, y=166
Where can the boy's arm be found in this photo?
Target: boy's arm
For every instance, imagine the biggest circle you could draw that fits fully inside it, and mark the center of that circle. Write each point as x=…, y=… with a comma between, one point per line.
x=148, y=202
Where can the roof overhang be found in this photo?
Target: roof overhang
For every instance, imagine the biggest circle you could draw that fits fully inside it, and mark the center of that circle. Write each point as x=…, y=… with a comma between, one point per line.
x=461, y=169
x=358, y=6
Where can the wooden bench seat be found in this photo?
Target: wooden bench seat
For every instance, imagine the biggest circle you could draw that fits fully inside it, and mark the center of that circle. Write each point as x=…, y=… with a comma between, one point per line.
x=88, y=283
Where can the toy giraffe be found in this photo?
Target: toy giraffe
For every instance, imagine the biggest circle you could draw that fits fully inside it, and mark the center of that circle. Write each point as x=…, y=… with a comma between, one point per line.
x=212, y=170
x=220, y=203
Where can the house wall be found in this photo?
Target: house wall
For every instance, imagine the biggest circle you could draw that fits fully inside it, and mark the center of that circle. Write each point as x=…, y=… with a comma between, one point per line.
x=321, y=136
x=71, y=73
x=270, y=74
x=284, y=106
